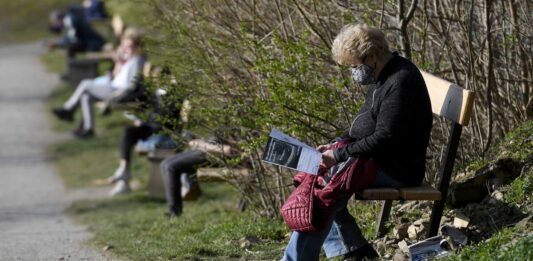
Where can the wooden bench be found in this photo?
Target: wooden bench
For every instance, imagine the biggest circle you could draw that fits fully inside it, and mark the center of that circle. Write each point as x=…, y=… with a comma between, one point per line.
x=156, y=188
x=455, y=104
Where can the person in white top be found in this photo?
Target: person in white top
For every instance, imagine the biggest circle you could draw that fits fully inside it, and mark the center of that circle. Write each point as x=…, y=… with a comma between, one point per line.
x=123, y=79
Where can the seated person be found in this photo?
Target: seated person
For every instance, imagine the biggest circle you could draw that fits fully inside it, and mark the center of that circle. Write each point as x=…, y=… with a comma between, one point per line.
x=126, y=74
x=392, y=128
x=182, y=168
x=141, y=130
x=79, y=36
x=94, y=10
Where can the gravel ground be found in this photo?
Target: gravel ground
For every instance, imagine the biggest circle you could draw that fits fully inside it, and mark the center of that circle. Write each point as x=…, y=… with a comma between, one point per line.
x=33, y=223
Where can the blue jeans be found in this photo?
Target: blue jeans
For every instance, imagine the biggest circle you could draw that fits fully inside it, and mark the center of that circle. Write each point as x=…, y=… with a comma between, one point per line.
x=341, y=236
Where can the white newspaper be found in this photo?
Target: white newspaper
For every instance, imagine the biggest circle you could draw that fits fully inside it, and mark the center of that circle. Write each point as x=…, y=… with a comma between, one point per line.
x=289, y=152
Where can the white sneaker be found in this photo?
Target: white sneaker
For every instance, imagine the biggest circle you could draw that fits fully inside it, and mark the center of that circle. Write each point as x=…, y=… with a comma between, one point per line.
x=190, y=190
x=185, y=184
x=122, y=187
x=120, y=174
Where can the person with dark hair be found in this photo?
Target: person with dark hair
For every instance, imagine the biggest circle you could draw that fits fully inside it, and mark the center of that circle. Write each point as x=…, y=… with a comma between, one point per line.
x=79, y=36
x=142, y=130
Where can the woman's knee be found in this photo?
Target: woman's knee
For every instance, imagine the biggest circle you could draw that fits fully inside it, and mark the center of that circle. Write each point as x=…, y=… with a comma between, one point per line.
x=85, y=83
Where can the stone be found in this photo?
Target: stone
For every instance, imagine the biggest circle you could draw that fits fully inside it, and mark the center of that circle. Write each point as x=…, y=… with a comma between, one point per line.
x=460, y=220
x=107, y=248
x=381, y=247
x=494, y=175
x=497, y=195
x=525, y=223
x=404, y=247
x=400, y=231
x=247, y=241
x=413, y=231
x=399, y=257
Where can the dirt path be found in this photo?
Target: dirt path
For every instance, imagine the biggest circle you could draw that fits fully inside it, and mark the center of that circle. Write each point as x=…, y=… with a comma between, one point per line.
x=33, y=225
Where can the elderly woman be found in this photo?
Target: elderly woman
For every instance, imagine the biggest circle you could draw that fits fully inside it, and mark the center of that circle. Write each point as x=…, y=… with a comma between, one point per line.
x=392, y=128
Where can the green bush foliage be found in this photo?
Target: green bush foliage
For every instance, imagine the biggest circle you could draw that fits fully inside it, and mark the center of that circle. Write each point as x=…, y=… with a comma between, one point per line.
x=247, y=67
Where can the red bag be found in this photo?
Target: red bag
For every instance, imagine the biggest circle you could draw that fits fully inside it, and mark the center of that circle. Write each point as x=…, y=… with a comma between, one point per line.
x=310, y=206
x=297, y=209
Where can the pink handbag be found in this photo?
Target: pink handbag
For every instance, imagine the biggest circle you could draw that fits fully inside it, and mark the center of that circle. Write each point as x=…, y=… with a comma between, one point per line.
x=310, y=206
x=297, y=211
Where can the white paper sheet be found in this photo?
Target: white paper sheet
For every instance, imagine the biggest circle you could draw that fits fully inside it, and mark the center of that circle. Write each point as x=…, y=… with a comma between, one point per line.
x=286, y=151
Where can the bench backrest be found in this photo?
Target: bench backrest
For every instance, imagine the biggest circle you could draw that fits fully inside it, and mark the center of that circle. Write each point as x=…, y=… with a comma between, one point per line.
x=454, y=103
x=118, y=26
x=449, y=100
x=147, y=69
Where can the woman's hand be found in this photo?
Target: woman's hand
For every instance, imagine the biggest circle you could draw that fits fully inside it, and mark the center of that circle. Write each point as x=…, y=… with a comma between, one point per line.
x=328, y=158
x=322, y=148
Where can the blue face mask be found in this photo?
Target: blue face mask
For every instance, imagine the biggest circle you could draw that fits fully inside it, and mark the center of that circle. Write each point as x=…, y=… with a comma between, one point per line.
x=363, y=74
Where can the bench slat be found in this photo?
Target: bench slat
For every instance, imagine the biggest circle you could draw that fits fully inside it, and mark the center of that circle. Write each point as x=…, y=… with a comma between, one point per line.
x=221, y=174
x=381, y=194
x=424, y=192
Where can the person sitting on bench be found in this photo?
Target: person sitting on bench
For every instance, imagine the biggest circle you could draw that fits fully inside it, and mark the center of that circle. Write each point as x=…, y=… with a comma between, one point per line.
x=79, y=36
x=183, y=165
x=142, y=130
x=392, y=128
x=94, y=10
x=126, y=74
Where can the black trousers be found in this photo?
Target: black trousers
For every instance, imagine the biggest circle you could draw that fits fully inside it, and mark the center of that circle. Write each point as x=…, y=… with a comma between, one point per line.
x=171, y=169
x=75, y=48
x=130, y=136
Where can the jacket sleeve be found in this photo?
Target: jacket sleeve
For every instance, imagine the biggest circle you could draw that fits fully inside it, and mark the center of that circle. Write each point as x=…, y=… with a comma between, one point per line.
x=391, y=123
x=135, y=72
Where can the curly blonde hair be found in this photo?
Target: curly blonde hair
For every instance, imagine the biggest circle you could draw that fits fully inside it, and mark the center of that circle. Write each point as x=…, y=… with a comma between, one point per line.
x=355, y=41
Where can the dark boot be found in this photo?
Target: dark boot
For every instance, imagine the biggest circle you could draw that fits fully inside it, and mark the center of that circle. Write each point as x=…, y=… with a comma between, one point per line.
x=63, y=114
x=367, y=252
x=83, y=134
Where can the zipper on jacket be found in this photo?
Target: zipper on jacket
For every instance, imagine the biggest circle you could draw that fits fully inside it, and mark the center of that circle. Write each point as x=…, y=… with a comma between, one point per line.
x=361, y=114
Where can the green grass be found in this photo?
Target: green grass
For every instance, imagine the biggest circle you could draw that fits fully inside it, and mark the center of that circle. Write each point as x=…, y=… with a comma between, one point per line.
x=26, y=20
x=81, y=162
x=210, y=228
x=507, y=244
x=54, y=61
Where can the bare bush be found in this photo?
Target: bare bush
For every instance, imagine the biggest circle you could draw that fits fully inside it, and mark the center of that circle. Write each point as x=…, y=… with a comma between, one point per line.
x=257, y=64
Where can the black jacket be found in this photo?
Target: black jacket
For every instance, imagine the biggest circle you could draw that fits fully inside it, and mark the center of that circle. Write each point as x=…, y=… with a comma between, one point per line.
x=394, y=124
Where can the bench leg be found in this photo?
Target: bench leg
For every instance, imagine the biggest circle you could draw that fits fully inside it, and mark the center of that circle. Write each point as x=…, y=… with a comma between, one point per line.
x=383, y=217
x=436, y=215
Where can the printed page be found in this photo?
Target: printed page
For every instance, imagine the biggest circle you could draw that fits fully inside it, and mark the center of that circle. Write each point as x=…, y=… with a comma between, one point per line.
x=289, y=152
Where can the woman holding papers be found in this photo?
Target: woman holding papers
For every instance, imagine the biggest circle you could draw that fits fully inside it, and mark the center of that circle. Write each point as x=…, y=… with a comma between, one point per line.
x=392, y=128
